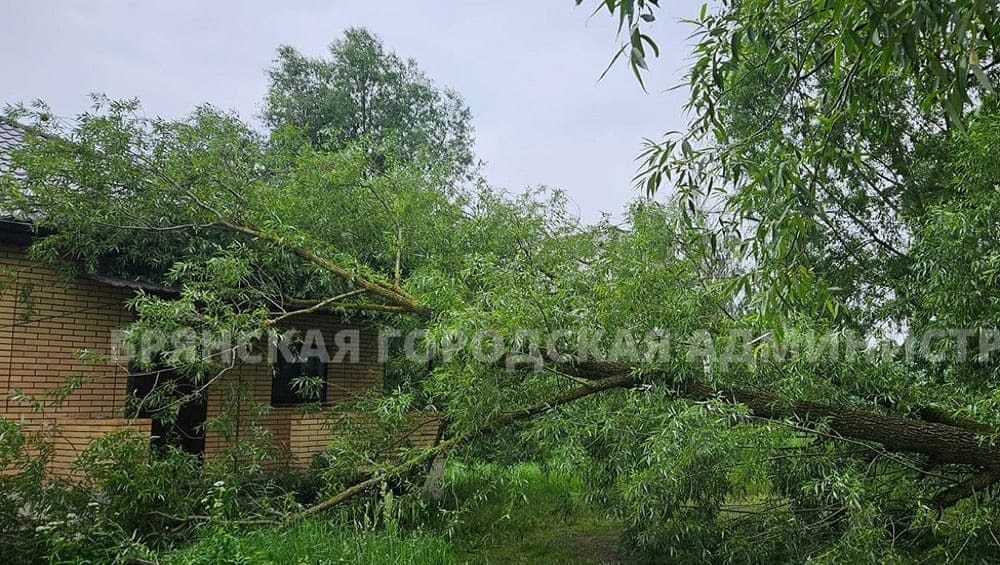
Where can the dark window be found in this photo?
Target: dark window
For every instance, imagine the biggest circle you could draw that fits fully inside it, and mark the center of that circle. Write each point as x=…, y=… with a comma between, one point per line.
x=290, y=386
x=140, y=385
x=151, y=392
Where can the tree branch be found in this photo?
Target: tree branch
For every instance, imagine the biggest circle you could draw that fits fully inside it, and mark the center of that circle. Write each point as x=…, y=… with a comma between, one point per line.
x=493, y=426
x=404, y=303
x=952, y=495
x=318, y=305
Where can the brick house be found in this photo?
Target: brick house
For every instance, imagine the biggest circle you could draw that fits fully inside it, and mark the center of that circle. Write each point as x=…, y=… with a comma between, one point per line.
x=45, y=322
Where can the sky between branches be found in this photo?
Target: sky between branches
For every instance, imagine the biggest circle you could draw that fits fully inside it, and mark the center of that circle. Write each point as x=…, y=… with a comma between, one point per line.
x=527, y=69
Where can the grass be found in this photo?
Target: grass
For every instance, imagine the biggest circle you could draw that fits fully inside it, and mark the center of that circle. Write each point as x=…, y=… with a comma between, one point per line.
x=489, y=515
x=585, y=541
x=526, y=515
x=316, y=541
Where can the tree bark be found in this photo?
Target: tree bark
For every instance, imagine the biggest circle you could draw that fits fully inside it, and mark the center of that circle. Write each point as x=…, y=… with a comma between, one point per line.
x=944, y=443
x=978, y=482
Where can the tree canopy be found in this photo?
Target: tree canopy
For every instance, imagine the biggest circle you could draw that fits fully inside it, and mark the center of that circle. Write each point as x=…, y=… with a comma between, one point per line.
x=838, y=177
x=805, y=122
x=365, y=92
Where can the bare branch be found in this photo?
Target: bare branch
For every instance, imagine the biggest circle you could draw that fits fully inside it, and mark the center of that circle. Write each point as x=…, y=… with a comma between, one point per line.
x=315, y=307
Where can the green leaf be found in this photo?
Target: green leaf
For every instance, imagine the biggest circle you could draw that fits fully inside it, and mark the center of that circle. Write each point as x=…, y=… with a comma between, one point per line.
x=984, y=80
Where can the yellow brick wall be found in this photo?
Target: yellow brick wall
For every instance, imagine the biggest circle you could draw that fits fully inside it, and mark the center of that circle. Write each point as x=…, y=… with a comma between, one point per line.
x=45, y=321
x=345, y=380
x=310, y=434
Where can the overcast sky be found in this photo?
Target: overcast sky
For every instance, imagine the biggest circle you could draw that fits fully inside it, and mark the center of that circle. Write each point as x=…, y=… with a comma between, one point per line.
x=528, y=70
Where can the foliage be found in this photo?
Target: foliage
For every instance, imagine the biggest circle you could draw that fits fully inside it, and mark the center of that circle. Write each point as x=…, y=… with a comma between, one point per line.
x=123, y=501
x=97, y=520
x=364, y=92
x=841, y=149
x=489, y=513
x=804, y=117
x=831, y=180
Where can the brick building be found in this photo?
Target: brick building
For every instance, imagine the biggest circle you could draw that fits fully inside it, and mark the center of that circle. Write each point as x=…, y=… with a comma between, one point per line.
x=46, y=322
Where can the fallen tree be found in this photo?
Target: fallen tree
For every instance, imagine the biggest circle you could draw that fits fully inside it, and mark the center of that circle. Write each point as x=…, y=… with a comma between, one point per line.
x=943, y=443
x=512, y=265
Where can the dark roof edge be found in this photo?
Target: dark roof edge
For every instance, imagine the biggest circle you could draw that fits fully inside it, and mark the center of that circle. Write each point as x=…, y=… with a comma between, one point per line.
x=24, y=233
x=18, y=232
x=152, y=288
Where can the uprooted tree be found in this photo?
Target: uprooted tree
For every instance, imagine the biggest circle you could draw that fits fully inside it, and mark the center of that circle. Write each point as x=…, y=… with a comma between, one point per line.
x=774, y=456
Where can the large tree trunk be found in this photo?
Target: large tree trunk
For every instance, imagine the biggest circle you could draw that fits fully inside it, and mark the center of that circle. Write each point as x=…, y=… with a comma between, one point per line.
x=944, y=443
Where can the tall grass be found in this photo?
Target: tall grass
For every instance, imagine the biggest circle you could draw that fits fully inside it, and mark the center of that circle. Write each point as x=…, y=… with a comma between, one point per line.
x=489, y=514
x=486, y=503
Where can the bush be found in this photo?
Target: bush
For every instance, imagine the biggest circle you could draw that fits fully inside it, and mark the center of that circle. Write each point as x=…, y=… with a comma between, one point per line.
x=127, y=500
x=148, y=492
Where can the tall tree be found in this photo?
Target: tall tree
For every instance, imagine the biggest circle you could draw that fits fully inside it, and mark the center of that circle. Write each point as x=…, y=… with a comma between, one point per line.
x=365, y=92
